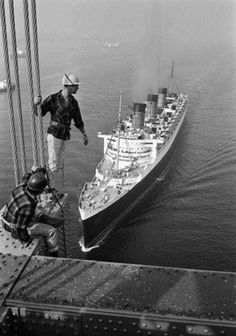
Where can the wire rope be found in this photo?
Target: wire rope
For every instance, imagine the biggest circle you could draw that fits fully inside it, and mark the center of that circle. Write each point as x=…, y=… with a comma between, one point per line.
x=30, y=80
x=18, y=93
x=38, y=88
x=9, y=93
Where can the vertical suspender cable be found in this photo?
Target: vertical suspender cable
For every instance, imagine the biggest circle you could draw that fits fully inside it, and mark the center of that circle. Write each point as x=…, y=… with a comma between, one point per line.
x=37, y=73
x=118, y=139
x=18, y=94
x=171, y=77
x=9, y=93
x=30, y=78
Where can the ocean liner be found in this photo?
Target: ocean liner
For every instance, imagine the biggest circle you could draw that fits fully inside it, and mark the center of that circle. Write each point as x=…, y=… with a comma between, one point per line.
x=135, y=154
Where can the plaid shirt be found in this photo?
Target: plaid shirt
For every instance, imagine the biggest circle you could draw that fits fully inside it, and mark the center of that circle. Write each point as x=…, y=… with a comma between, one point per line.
x=63, y=113
x=20, y=209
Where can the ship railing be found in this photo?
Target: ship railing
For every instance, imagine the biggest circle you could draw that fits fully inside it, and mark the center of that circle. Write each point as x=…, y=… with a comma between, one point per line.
x=135, y=151
x=85, y=188
x=89, y=185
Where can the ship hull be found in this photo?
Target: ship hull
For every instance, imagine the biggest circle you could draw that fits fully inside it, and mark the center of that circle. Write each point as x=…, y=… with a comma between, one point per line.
x=96, y=227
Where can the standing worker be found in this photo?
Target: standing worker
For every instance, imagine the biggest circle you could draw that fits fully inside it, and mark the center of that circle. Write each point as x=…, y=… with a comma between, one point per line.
x=21, y=217
x=63, y=107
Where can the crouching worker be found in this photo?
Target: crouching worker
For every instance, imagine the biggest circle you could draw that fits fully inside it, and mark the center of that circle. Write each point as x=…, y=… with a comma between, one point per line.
x=23, y=220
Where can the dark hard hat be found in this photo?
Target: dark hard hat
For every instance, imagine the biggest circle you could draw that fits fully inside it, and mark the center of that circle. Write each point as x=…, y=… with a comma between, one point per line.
x=37, y=183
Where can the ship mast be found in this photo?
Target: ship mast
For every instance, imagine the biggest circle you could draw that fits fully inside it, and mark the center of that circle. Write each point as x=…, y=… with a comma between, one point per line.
x=171, y=77
x=118, y=127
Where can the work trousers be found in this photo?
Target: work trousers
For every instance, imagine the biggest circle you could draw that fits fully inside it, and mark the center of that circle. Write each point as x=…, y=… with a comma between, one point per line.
x=46, y=231
x=56, y=154
x=38, y=229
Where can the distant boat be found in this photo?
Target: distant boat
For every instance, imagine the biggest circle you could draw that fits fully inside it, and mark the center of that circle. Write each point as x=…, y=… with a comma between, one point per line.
x=111, y=44
x=3, y=86
x=21, y=53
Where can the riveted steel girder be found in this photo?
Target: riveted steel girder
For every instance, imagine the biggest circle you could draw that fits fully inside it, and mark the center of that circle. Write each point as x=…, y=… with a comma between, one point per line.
x=133, y=288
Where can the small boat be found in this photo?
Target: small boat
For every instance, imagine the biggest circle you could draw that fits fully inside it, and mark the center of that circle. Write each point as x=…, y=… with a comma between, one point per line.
x=111, y=44
x=136, y=154
x=3, y=86
x=21, y=53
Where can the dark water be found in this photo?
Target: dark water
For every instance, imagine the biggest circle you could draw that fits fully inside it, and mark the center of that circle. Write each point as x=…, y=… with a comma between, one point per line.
x=188, y=218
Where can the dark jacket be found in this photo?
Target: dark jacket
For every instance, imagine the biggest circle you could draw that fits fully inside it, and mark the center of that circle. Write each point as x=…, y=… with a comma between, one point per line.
x=20, y=208
x=61, y=115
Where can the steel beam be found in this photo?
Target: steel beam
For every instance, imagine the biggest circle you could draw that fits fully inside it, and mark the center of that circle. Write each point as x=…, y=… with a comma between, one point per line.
x=110, y=298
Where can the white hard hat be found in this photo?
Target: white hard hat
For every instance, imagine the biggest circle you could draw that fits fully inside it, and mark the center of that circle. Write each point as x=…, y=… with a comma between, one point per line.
x=70, y=79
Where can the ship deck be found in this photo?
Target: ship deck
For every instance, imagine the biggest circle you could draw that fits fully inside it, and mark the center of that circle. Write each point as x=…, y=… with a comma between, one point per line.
x=110, y=183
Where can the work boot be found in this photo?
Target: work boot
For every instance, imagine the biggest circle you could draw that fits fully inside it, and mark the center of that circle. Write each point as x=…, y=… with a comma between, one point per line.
x=53, y=254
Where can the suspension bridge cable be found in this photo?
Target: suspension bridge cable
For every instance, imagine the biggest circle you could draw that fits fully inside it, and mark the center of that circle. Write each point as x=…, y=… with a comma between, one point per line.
x=18, y=93
x=38, y=88
x=9, y=93
x=30, y=79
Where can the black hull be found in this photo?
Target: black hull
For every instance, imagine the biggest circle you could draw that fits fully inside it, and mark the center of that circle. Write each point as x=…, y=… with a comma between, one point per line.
x=98, y=226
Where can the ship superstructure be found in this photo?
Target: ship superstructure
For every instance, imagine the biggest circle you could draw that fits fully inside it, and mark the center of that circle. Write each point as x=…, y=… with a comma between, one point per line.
x=136, y=151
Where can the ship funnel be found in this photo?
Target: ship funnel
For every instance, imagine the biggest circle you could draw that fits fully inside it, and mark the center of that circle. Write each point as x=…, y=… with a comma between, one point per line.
x=138, y=115
x=161, y=102
x=151, y=110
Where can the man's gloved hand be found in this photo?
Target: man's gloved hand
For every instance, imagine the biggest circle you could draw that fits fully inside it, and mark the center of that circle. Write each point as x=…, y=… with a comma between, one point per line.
x=21, y=234
x=15, y=233
x=37, y=100
x=24, y=236
x=54, y=221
